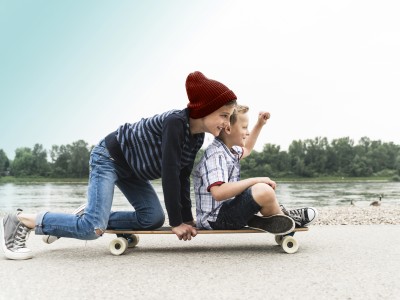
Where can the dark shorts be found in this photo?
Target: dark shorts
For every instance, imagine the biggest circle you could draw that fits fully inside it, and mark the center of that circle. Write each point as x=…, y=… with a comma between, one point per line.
x=235, y=213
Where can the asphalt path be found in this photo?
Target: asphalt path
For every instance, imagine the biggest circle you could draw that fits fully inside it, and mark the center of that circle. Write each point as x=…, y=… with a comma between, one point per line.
x=333, y=262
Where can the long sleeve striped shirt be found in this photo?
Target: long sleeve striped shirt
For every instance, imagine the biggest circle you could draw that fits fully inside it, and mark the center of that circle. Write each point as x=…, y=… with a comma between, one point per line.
x=163, y=147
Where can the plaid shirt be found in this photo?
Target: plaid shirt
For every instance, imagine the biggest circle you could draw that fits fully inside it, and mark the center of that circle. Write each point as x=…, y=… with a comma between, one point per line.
x=217, y=166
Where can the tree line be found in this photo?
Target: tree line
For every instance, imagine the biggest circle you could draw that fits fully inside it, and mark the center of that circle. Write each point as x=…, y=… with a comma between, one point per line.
x=305, y=158
x=318, y=157
x=65, y=161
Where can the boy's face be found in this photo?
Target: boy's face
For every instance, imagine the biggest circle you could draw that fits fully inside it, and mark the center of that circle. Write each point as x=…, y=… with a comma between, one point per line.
x=218, y=120
x=239, y=131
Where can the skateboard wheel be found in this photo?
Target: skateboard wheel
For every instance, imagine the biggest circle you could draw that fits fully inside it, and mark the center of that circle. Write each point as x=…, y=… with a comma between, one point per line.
x=290, y=244
x=118, y=246
x=279, y=239
x=133, y=240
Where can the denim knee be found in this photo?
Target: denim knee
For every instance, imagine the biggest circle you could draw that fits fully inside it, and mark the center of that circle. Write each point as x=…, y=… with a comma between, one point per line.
x=156, y=220
x=160, y=221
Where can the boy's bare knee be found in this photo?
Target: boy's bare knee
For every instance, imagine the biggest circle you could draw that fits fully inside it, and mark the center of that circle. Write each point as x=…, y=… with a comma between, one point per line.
x=262, y=189
x=262, y=193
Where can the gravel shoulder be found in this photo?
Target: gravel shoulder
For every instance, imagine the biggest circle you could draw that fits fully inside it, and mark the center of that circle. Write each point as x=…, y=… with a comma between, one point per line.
x=353, y=215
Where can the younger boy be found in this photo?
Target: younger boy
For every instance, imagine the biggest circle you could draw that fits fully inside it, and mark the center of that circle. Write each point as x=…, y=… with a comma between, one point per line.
x=223, y=201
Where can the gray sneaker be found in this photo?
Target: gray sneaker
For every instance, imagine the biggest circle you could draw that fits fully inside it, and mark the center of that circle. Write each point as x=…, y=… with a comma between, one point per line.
x=303, y=217
x=13, y=235
x=48, y=239
x=276, y=224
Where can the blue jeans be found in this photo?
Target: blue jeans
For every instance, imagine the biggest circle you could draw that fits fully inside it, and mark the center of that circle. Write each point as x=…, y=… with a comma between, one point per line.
x=104, y=175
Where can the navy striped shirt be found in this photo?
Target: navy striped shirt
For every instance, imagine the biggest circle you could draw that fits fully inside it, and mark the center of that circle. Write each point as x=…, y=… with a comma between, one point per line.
x=163, y=147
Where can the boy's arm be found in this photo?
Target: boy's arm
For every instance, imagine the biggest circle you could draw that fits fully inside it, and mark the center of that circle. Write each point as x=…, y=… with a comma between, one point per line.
x=187, y=216
x=231, y=189
x=171, y=147
x=172, y=143
x=252, y=138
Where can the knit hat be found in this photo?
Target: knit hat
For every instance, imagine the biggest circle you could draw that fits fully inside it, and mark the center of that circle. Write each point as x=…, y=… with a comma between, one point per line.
x=206, y=95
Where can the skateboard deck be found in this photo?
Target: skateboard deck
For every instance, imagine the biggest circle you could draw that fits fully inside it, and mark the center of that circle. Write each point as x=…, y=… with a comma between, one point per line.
x=130, y=238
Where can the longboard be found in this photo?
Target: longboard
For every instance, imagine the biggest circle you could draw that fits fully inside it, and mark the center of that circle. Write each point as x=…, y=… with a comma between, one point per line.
x=130, y=238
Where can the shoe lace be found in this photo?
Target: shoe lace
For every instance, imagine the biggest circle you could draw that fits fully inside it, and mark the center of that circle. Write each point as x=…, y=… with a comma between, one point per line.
x=296, y=212
x=284, y=210
x=296, y=218
x=21, y=236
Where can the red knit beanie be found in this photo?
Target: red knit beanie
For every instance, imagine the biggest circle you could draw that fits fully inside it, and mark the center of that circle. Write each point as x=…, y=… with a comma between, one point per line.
x=206, y=95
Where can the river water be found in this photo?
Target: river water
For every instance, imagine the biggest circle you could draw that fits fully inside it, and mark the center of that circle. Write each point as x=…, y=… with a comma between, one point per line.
x=66, y=197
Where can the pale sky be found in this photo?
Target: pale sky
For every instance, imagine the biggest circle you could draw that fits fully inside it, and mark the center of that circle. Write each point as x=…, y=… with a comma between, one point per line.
x=78, y=69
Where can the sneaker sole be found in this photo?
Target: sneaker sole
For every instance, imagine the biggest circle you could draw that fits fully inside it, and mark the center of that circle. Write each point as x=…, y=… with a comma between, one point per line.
x=277, y=224
x=11, y=254
x=48, y=239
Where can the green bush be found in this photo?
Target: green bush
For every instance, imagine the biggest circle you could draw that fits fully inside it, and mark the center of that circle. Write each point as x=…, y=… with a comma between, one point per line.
x=396, y=178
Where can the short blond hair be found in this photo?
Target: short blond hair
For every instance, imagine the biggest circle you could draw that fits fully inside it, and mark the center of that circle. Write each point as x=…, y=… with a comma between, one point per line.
x=240, y=109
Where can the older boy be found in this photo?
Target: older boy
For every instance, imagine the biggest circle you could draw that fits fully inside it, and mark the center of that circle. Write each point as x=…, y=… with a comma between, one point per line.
x=223, y=201
x=163, y=146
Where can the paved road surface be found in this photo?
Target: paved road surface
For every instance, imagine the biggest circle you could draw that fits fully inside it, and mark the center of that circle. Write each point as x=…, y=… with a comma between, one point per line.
x=333, y=262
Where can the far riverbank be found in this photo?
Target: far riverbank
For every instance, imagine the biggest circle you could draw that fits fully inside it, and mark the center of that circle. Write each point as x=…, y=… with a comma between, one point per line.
x=29, y=180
